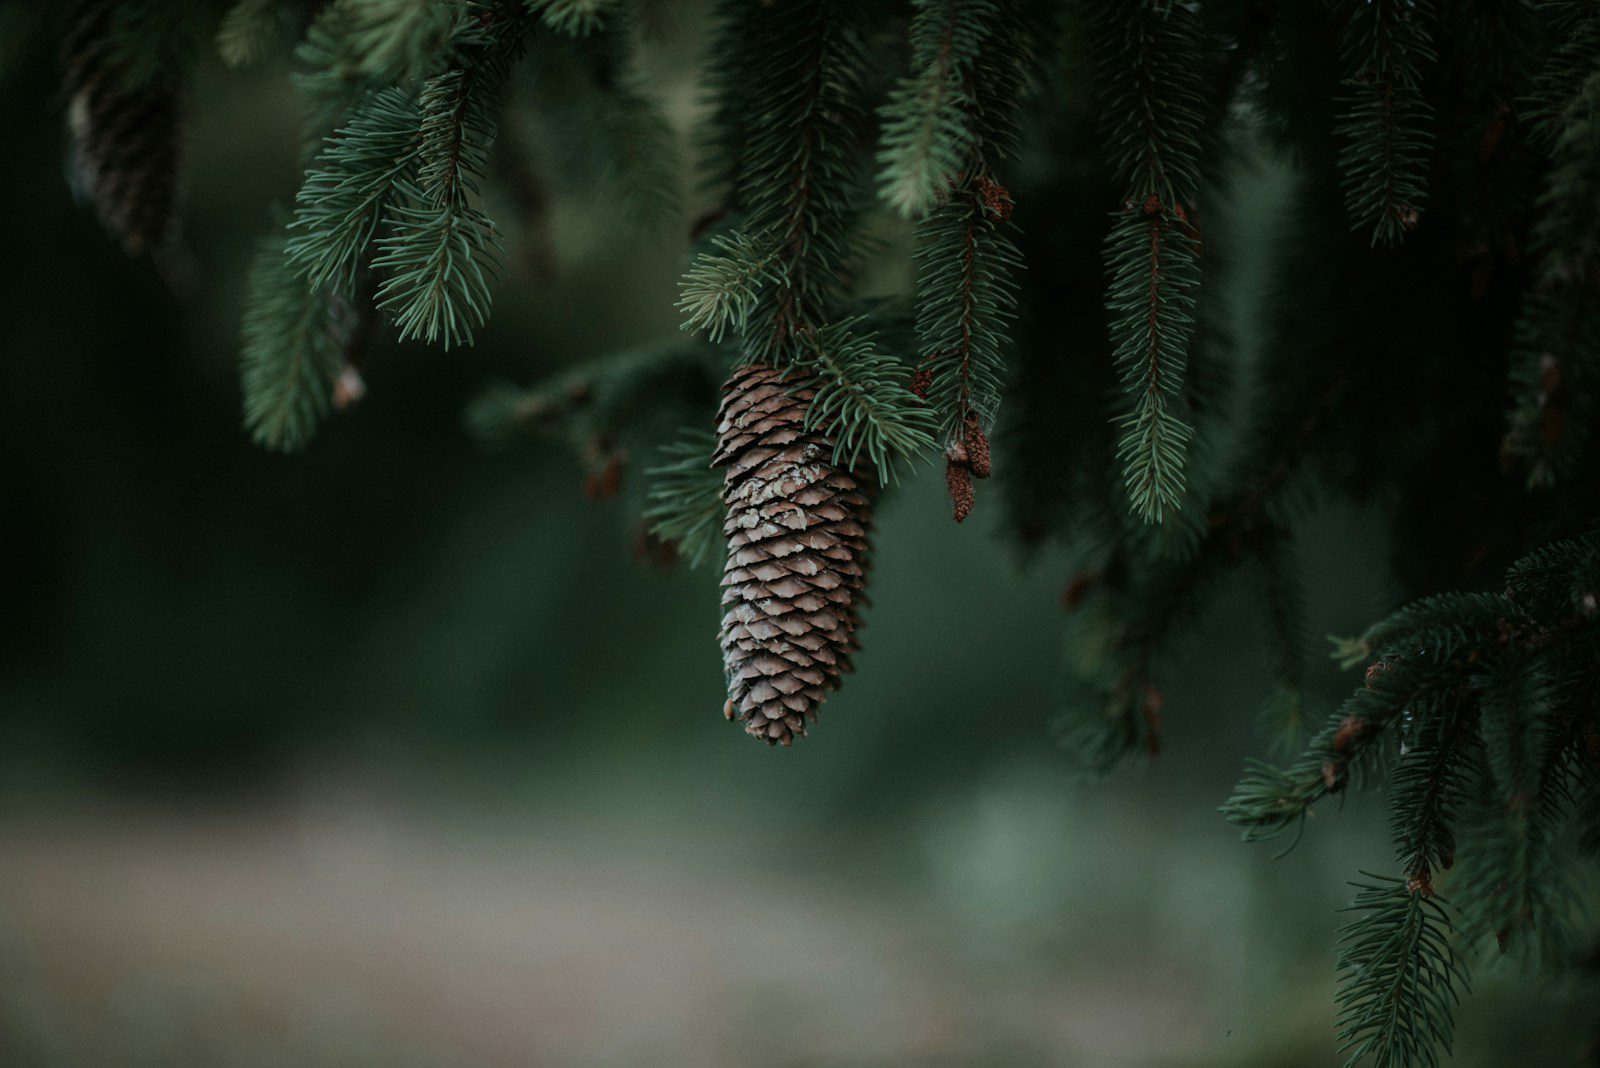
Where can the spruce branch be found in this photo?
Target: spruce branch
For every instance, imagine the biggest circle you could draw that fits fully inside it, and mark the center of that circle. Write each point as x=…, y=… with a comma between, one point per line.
x=966, y=301
x=722, y=287
x=1152, y=106
x=441, y=250
x=945, y=131
x=439, y=263
x=685, y=496
x=796, y=69
x=294, y=338
x=1398, y=977
x=1485, y=698
x=246, y=30
x=1271, y=801
x=927, y=120
x=576, y=18
x=1385, y=127
x=1555, y=367
x=862, y=401
x=351, y=188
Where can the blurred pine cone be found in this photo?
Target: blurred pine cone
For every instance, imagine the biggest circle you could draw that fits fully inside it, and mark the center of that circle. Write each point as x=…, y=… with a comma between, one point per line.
x=125, y=125
x=797, y=528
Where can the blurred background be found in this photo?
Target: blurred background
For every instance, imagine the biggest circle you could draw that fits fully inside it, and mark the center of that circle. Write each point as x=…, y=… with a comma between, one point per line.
x=396, y=752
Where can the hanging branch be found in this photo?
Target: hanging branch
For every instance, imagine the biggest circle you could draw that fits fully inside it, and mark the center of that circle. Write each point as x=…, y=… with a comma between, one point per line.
x=1398, y=977
x=1471, y=691
x=927, y=122
x=794, y=182
x=1152, y=102
x=686, y=508
x=946, y=130
x=1555, y=367
x=441, y=249
x=294, y=340
x=1385, y=126
x=351, y=189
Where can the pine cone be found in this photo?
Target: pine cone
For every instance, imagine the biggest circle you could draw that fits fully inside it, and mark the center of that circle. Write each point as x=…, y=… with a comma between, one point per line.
x=126, y=136
x=797, y=528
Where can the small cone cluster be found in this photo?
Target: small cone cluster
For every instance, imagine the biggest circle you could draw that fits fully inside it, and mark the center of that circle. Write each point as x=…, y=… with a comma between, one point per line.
x=126, y=137
x=797, y=527
x=967, y=457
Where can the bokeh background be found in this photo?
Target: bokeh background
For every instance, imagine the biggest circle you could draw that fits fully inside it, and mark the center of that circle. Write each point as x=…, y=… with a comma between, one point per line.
x=395, y=752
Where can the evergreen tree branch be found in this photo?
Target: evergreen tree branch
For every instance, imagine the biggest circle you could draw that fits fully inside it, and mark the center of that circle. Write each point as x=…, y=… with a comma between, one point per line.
x=685, y=495
x=440, y=249
x=294, y=339
x=576, y=18
x=351, y=190
x=861, y=400
x=720, y=290
x=1398, y=977
x=927, y=127
x=1555, y=369
x=1385, y=125
x=802, y=63
x=246, y=29
x=1152, y=101
x=966, y=302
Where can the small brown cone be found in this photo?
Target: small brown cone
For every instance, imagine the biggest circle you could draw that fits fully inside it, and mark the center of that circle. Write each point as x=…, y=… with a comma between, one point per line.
x=797, y=528
x=126, y=136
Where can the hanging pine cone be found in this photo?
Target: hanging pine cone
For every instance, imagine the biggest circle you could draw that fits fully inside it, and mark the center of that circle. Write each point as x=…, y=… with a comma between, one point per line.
x=797, y=528
x=126, y=130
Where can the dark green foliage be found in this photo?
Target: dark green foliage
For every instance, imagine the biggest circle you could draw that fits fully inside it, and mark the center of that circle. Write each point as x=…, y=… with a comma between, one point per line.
x=1398, y=977
x=351, y=188
x=947, y=129
x=862, y=400
x=686, y=498
x=1385, y=125
x=603, y=137
x=1153, y=108
x=1555, y=373
x=929, y=122
x=439, y=251
x=631, y=399
x=293, y=349
x=246, y=30
x=579, y=18
x=356, y=47
x=1483, y=707
x=966, y=303
x=791, y=160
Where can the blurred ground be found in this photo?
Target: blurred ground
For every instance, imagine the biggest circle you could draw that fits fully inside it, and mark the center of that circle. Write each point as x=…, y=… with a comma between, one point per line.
x=334, y=925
